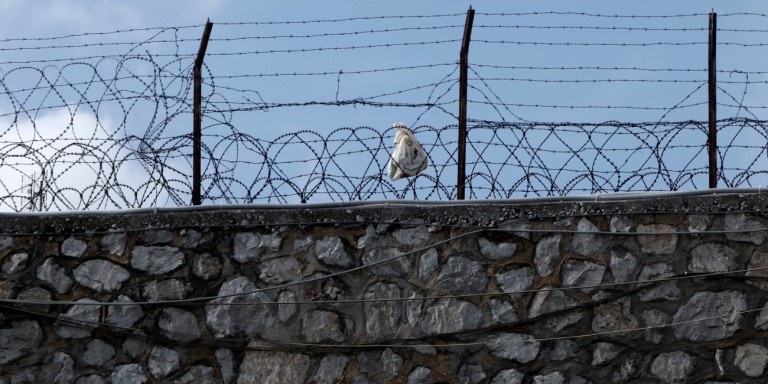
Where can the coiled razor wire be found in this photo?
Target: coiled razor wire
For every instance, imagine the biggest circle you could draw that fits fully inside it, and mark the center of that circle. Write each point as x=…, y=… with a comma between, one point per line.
x=85, y=131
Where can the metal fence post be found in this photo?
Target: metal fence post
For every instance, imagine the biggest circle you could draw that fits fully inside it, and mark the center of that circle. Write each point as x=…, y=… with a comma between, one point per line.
x=463, y=69
x=712, y=100
x=197, y=123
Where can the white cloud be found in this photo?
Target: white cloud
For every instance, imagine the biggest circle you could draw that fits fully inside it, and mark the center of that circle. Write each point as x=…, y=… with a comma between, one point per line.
x=84, y=167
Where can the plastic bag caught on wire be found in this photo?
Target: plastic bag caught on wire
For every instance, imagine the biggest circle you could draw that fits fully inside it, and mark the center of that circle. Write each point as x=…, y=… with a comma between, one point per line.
x=408, y=158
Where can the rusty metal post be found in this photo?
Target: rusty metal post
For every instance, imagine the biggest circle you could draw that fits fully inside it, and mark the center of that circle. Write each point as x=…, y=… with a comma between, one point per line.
x=463, y=72
x=712, y=100
x=197, y=112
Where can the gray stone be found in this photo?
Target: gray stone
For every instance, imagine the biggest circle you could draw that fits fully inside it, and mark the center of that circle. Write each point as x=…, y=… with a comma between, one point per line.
x=129, y=374
x=171, y=289
x=124, y=316
x=331, y=369
x=451, y=315
x=27, y=376
x=331, y=288
x=286, y=311
x=226, y=360
x=72, y=247
x=367, y=361
x=330, y=251
x=751, y=359
x=548, y=300
x=21, y=339
x=626, y=369
x=721, y=309
x=136, y=345
x=54, y=276
x=549, y=378
x=301, y=245
x=547, y=254
x=199, y=374
x=673, y=367
x=719, y=361
x=761, y=321
x=621, y=224
x=508, y=376
x=397, y=266
x=382, y=314
x=249, y=246
x=513, y=346
x=758, y=262
x=382, y=228
x=158, y=236
x=280, y=270
x=463, y=239
x=5, y=242
x=413, y=308
x=391, y=364
x=156, y=260
x=273, y=367
x=416, y=236
x=163, y=361
x=604, y=353
x=667, y=290
x=97, y=353
x=369, y=238
x=494, y=251
x=654, y=318
x=420, y=375
x=578, y=273
x=712, y=257
x=699, y=223
x=206, y=266
x=89, y=379
x=15, y=264
x=58, y=368
x=520, y=228
x=101, y=275
x=79, y=320
x=584, y=242
x=413, y=222
x=564, y=349
x=502, y=312
x=614, y=316
x=740, y=227
x=322, y=326
x=515, y=281
x=471, y=374
x=462, y=275
x=35, y=294
x=178, y=324
x=114, y=243
x=622, y=267
x=427, y=350
x=427, y=264
x=658, y=239
x=190, y=238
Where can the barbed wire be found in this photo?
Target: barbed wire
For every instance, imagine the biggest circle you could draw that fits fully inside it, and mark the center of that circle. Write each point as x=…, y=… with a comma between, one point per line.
x=123, y=117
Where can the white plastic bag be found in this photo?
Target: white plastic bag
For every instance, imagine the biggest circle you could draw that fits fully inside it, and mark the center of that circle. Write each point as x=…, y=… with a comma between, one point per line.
x=409, y=158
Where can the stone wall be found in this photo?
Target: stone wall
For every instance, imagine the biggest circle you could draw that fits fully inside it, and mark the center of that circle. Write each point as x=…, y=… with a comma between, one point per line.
x=648, y=289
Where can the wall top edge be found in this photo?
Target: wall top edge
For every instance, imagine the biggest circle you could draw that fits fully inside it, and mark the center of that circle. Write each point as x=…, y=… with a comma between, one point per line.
x=461, y=213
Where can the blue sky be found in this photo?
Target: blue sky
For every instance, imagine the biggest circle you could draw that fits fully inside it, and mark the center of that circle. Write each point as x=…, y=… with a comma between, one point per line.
x=244, y=81
x=57, y=18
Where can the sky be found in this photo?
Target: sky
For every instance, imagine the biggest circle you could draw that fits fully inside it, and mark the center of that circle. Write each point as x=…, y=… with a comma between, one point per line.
x=241, y=63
